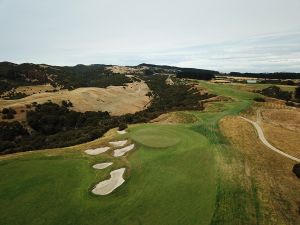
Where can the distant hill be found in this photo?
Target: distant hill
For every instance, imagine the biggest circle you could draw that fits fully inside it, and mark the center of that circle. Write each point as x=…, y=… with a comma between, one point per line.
x=191, y=73
x=96, y=75
x=66, y=77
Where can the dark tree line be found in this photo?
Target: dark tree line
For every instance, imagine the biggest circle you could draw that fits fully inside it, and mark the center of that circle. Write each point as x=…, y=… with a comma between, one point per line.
x=279, y=75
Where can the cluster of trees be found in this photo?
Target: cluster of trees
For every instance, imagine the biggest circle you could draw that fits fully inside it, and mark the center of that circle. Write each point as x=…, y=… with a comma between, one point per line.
x=13, y=75
x=8, y=113
x=196, y=74
x=15, y=95
x=53, y=125
x=190, y=73
x=11, y=134
x=281, y=75
x=276, y=92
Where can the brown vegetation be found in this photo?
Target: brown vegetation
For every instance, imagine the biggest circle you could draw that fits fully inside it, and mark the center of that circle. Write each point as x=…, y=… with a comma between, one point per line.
x=117, y=100
x=271, y=174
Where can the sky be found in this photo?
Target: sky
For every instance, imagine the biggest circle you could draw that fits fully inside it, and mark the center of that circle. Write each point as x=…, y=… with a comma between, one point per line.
x=231, y=35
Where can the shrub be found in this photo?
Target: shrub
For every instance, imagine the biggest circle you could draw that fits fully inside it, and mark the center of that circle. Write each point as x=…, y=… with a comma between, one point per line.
x=8, y=111
x=123, y=126
x=296, y=170
x=67, y=104
x=276, y=92
x=259, y=99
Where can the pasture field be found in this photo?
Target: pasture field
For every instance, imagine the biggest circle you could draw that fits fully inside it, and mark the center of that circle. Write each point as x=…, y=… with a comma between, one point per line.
x=185, y=174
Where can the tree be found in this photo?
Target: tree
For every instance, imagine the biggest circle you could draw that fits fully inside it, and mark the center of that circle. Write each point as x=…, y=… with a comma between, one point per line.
x=297, y=93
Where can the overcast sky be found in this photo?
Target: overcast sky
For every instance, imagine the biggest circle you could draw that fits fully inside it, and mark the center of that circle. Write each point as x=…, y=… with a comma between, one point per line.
x=225, y=35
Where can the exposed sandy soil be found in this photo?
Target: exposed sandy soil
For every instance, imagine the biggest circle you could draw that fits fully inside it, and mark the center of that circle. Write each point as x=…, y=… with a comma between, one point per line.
x=107, y=186
x=96, y=151
x=117, y=100
x=270, y=173
x=101, y=166
x=118, y=143
x=123, y=151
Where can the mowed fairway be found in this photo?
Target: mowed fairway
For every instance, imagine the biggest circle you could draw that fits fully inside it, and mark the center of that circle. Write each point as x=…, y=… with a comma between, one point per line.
x=170, y=182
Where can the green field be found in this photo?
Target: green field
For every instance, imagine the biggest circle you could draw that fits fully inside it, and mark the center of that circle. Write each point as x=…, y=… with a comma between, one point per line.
x=175, y=176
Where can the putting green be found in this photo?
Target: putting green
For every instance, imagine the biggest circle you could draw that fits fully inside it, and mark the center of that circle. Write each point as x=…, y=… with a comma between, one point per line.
x=156, y=137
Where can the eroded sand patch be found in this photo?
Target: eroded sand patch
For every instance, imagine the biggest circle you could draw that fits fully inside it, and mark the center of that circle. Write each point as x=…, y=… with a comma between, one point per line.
x=96, y=151
x=101, y=166
x=122, y=151
x=118, y=143
x=107, y=186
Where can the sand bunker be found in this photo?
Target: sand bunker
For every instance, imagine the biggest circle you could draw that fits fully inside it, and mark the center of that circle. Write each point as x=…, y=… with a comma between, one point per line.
x=121, y=131
x=101, y=166
x=118, y=143
x=96, y=151
x=122, y=151
x=107, y=186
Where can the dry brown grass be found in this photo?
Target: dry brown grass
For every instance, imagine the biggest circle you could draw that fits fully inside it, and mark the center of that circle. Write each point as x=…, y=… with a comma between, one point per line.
x=282, y=129
x=117, y=100
x=277, y=187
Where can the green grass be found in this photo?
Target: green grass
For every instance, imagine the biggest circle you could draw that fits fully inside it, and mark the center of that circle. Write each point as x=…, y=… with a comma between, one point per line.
x=172, y=178
x=155, y=136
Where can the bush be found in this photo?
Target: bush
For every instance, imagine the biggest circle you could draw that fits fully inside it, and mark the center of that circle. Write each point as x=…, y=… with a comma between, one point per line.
x=123, y=126
x=259, y=99
x=8, y=116
x=8, y=111
x=67, y=104
x=9, y=131
x=276, y=92
x=296, y=170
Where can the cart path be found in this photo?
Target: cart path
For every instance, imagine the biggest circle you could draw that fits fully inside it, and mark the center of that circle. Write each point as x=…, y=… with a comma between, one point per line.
x=265, y=142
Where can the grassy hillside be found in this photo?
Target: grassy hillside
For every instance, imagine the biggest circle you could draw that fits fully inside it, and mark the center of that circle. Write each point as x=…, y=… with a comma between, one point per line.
x=178, y=174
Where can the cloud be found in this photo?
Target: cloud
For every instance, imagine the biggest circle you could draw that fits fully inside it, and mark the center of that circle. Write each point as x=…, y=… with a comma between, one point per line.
x=270, y=53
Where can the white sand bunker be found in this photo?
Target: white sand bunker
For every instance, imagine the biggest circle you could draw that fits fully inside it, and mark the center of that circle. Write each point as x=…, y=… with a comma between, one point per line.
x=121, y=131
x=122, y=151
x=96, y=151
x=101, y=166
x=118, y=143
x=107, y=186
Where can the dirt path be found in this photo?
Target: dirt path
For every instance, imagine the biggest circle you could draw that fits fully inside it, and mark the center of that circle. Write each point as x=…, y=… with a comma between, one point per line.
x=264, y=140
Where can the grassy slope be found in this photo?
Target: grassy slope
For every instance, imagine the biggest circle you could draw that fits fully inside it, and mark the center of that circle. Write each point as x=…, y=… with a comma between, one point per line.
x=190, y=182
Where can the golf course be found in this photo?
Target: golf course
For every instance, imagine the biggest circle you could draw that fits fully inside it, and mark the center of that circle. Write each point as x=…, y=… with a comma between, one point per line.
x=177, y=174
